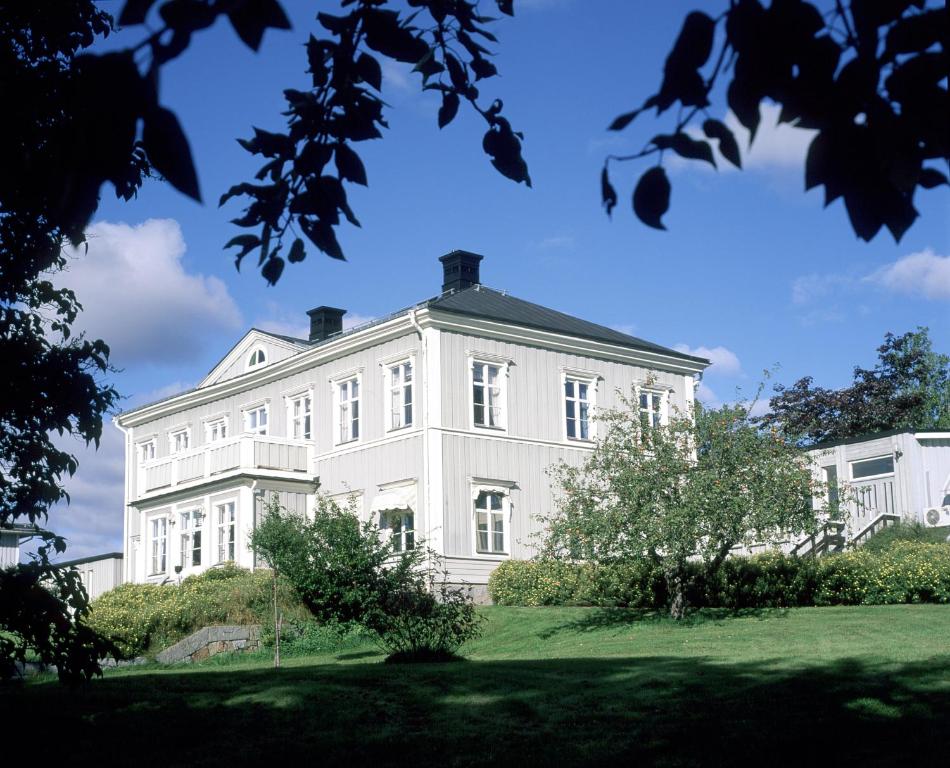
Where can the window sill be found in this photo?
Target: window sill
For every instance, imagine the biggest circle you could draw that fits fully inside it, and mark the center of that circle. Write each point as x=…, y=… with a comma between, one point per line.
x=392, y=430
x=347, y=442
x=487, y=428
x=580, y=440
x=492, y=555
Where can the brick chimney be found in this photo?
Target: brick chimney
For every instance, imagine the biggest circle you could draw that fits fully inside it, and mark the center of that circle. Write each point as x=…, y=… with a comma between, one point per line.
x=325, y=322
x=459, y=270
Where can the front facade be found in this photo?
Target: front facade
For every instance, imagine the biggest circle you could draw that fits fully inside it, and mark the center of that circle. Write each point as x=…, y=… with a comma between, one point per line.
x=439, y=422
x=903, y=475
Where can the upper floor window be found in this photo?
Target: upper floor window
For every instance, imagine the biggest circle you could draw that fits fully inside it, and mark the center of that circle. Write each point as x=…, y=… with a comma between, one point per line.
x=146, y=450
x=225, y=522
x=216, y=430
x=488, y=394
x=299, y=416
x=400, y=395
x=348, y=409
x=652, y=408
x=179, y=440
x=577, y=402
x=158, y=534
x=256, y=359
x=865, y=468
x=191, y=522
x=491, y=523
x=255, y=420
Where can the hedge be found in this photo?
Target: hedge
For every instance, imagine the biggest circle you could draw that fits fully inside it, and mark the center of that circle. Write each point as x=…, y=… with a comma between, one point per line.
x=144, y=618
x=907, y=572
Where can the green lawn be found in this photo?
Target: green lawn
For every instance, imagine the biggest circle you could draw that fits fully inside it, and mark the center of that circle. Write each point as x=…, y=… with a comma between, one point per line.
x=559, y=686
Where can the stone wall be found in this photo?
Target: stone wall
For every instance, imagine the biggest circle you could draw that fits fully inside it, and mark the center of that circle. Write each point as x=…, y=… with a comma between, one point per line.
x=211, y=641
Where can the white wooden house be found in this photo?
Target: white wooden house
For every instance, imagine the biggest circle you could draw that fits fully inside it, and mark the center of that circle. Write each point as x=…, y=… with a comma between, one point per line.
x=892, y=476
x=442, y=419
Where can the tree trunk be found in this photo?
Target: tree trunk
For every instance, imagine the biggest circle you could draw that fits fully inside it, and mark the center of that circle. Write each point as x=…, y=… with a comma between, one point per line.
x=277, y=623
x=676, y=585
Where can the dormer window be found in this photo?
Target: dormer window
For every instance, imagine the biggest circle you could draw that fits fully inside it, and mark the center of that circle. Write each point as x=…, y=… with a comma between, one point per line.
x=256, y=359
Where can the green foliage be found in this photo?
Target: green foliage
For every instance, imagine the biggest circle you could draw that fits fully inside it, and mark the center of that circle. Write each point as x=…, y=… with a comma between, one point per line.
x=867, y=77
x=908, y=388
x=698, y=486
x=308, y=637
x=902, y=531
x=142, y=618
x=907, y=572
x=345, y=572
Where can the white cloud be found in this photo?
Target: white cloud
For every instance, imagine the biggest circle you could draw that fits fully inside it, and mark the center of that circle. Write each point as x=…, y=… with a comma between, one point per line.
x=706, y=396
x=138, y=297
x=924, y=274
x=777, y=146
x=724, y=361
x=813, y=287
x=154, y=395
x=396, y=75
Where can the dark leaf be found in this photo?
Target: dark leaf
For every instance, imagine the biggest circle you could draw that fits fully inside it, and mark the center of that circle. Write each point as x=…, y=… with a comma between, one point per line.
x=252, y=17
x=692, y=149
x=134, y=12
x=297, y=252
x=622, y=121
x=335, y=24
x=728, y=147
x=169, y=153
x=607, y=193
x=694, y=44
x=385, y=34
x=349, y=165
x=369, y=71
x=456, y=73
x=272, y=269
x=931, y=177
x=449, y=108
x=247, y=243
x=916, y=33
x=744, y=103
x=651, y=198
x=312, y=159
x=506, y=6
x=321, y=235
x=483, y=68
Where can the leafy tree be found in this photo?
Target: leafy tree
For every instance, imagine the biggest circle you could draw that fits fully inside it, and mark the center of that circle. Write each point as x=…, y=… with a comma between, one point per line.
x=868, y=75
x=345, y=571
x=909, y=388
x=51, y=378
x=697, y=487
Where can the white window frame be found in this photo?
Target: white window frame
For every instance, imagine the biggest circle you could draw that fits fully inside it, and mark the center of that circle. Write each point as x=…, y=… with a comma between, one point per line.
x=664, y=409
x=179, y=440
x=591, y=380
x=217, y=428
x=255, y=408
x=504, y=490
x=154, y=538
x=191, y=521
x=222, y=540
x=256, y=358
x=502, y=364
x=852, y=462
x=391, y=390
x=291, y=400
x=337, y=383
x=146, y=450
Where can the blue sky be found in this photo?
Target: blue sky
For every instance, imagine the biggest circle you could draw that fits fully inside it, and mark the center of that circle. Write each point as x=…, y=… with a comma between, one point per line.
x=751, y=268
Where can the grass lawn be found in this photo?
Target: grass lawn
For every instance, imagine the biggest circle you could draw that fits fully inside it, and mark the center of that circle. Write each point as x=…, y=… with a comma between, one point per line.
x=558, y=686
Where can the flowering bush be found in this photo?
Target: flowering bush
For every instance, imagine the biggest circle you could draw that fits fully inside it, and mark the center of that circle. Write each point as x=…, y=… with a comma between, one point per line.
x=143, y=617
x=908, y=572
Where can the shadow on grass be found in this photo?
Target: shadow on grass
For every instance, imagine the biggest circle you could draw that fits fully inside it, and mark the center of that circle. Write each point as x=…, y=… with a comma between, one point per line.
x=624, y=618
x=609, y=711
x=358, y=655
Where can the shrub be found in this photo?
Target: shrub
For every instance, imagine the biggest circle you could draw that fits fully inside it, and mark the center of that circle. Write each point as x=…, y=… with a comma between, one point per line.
x=906, y=572
x=146, y=617
x=303, y=638
x=904, y=531
x=344, y=572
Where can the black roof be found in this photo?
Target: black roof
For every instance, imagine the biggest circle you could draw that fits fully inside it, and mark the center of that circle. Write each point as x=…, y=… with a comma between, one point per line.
x=479, y=301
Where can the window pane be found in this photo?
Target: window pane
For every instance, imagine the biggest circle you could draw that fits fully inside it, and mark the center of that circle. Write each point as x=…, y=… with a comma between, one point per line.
x=582, y=391
x=569, y=388
x=480, y=414
x=478, y=395
x=571, y=428
x=478, y=373
x=869, y=467
x=495, y=500
x=584, y=430
x=408, y=421
x=570, y=409
x=492, y=375
x=354, y=389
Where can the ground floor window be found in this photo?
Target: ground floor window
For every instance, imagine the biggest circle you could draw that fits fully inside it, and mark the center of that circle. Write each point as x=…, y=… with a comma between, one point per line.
x=490, y=523
x=191, y=522
x=159, y=543
x=226, y=518
x=401, y=524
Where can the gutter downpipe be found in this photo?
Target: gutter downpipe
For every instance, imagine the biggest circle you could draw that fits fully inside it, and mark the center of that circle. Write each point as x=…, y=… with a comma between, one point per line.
x=126, y=560
x=425, y=429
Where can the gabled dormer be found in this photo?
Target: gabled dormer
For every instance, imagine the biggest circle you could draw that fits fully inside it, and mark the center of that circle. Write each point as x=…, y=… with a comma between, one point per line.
x=258, y=349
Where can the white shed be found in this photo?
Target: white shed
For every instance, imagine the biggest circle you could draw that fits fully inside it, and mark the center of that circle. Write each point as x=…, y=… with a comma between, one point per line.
x=900, y=475
x=99, y=573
